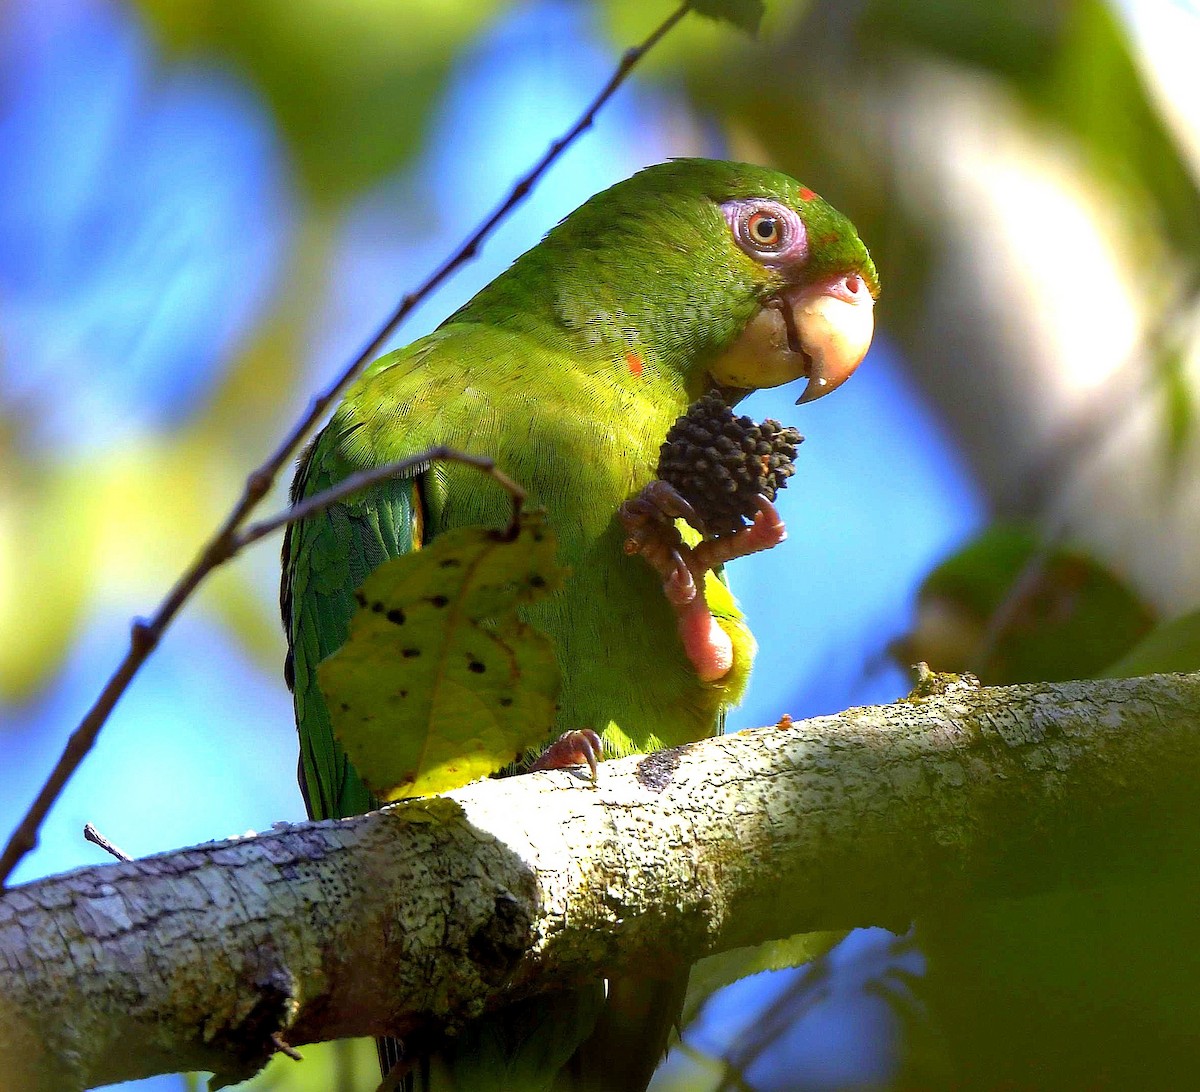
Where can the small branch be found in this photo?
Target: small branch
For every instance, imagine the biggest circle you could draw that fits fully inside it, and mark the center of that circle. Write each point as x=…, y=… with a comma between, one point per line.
x=347, y=487
x=145, y=634
x=91, y=834
x=283, y=1048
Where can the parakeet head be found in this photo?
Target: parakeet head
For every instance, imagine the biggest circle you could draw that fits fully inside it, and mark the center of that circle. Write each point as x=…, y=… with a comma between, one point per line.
x=735, y=275
x=817, y=314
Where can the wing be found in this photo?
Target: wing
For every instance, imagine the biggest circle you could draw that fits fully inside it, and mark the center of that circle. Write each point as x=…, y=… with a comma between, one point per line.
x=325, y=558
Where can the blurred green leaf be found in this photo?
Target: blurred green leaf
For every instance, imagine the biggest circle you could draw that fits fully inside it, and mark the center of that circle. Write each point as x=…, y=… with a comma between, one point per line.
x=1098, y=92
x=1010, y=609
x=1012, y=37
x=1071, y=989
x=351, y=82
x=744, y=14
x=1172, y=647
x=345, y=1065
x=717, y=971
x=1180, y=410
x=87, y=531
x=47, y=527
x=440, y=682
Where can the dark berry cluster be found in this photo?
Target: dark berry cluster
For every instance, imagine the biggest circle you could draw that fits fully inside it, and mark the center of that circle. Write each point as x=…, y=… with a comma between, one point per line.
x=719, y=463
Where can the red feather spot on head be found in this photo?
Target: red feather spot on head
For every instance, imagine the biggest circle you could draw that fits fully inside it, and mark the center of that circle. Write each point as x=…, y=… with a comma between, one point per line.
x=806, y=194
x=635, y=363
x=829, y=240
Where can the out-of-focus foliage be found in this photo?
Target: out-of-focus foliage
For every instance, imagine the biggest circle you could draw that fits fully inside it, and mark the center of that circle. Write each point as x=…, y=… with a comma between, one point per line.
x=116, y=314
x=352, y=83
x=795, y=1029
x=348, y=1065
x=746, y=14
x=1172, y=647
x=1072, y=989
x=1009, y=609
x=711, y=974
x=78, y=535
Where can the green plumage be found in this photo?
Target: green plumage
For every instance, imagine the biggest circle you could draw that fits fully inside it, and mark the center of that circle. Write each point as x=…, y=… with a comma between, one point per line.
x=568, y=370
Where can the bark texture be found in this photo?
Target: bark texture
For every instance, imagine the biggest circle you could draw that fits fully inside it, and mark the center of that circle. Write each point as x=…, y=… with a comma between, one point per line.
x=424, y=914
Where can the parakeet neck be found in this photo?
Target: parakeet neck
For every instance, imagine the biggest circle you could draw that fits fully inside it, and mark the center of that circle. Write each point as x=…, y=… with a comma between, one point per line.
x=673, y=309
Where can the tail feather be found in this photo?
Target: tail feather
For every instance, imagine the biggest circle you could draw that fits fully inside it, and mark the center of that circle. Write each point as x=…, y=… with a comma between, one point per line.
x=529, y=1046
x=400, y=1074
x=630, y=1037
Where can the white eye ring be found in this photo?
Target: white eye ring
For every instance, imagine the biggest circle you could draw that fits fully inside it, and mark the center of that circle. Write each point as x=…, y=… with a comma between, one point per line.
x=768, y=231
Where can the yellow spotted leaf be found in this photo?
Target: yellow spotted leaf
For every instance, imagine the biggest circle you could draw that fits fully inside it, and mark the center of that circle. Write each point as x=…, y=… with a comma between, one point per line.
x=440, y=682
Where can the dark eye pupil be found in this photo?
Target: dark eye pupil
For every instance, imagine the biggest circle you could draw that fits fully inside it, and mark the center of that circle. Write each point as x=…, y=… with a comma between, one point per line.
x=766, y=229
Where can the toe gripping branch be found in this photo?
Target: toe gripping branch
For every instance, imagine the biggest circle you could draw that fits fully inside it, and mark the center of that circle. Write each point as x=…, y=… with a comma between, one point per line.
x=575, y=748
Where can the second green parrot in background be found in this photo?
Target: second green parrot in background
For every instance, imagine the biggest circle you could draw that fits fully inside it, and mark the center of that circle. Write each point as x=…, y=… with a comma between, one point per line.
x=568, y=370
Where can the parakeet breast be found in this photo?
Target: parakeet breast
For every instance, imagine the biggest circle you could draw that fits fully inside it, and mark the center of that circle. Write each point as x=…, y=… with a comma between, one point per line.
x=581, y=436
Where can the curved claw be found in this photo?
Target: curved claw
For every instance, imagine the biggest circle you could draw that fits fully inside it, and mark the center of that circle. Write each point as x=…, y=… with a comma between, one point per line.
x=767, y=530
x=575, y=748
x=660, y=502
x=680, y=586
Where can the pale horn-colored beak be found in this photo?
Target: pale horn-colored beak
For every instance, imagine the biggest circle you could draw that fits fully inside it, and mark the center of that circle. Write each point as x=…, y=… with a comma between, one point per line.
x=833, y=322
x=820, y=332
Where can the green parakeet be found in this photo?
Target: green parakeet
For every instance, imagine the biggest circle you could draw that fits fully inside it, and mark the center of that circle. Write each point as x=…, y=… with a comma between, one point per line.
x=568, y=370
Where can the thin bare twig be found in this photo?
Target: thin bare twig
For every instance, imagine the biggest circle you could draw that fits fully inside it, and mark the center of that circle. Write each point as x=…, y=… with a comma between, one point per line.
x=365, y=478
x=146, y=633
x=278, y=1043
x=91, y=834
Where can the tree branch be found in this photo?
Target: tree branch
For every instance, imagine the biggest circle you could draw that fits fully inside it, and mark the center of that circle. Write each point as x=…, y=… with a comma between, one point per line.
x=224, y=543
x=424, y=914
x=363, y=479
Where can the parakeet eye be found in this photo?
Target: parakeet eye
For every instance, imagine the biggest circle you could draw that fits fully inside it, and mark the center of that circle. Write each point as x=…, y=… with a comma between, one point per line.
x=764, y=229
x=768, y=231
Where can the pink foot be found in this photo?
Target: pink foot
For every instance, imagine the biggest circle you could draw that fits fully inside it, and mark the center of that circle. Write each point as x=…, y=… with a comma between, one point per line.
x=649, y=521
x=707, y=645
x=571, y=749
x=767, y=530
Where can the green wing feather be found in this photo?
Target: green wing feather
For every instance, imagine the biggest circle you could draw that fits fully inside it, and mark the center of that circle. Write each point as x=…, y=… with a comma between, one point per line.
x=325, y=558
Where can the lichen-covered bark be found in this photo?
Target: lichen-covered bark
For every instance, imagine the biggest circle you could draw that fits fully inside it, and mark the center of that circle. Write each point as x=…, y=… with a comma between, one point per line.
x=425, y=913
